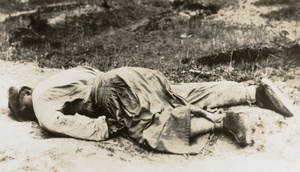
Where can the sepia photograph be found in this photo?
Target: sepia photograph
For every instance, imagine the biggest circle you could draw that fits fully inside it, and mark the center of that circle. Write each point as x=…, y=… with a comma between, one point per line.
x=150, y=85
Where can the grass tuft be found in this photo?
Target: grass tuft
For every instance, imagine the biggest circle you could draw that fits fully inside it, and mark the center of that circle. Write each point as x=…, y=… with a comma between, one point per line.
x=290, y=9
x=149, y=33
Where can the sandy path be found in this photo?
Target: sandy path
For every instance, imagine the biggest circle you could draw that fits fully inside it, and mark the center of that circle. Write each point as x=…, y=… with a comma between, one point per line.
x=26, y=147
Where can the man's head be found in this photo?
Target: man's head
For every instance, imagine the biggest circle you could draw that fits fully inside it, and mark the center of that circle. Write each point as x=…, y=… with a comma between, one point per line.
x=20, y=103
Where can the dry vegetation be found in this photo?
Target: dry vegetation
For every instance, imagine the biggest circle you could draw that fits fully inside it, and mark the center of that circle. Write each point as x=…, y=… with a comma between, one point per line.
x=172, y=37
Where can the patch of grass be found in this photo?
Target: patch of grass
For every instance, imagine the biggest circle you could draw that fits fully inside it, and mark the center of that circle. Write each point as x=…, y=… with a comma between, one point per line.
x=206, y=3
x=290, y=9
x=148, y=34
x=286, y=13
x=275, y=2
x=13, y=6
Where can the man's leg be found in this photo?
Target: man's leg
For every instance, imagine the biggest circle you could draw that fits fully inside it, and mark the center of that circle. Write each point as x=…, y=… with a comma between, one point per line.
x=216, y=94
x=201, y=126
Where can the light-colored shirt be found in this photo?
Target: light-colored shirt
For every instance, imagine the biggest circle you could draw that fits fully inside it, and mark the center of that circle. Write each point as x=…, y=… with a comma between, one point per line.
x=50, y=96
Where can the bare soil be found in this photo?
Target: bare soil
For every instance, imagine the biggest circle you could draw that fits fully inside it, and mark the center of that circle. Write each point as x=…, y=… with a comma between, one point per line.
x=276, y=141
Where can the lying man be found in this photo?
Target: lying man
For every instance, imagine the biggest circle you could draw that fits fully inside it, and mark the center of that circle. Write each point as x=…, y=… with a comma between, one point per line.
x=141, y=104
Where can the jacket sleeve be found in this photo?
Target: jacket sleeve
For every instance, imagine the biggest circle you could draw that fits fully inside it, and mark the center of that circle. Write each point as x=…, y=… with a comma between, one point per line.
x=77, y=126
x=50, y=95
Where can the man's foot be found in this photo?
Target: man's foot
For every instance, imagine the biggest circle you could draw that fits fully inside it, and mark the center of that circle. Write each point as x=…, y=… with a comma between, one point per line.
x=238, y=124
x=270, y=97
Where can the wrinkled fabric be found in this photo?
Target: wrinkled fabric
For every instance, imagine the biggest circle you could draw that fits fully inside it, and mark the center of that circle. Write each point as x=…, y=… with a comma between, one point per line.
x=57, y=100
x=80, y=102
x=215, y=94
x=140, y=99
x=156, y=113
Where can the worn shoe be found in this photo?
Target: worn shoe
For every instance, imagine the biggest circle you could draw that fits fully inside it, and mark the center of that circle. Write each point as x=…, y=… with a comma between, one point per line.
x=270, y=97
x=238, y=124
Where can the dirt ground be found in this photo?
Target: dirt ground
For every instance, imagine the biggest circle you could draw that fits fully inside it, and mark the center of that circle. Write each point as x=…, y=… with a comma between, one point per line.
x=26, y=147
x=276, y=141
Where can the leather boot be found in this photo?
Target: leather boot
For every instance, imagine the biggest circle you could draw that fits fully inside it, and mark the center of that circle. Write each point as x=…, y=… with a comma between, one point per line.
x=270, y=97
x=238, y=124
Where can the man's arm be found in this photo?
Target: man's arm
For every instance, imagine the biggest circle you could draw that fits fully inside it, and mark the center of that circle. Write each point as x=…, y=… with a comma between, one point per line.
x=50, y=95
x=76, y=126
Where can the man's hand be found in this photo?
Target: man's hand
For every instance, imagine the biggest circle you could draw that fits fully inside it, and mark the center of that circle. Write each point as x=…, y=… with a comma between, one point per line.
x=198, y=112
x=114, y=127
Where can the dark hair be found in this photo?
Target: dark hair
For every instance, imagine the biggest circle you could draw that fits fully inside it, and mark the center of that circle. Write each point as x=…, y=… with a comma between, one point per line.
x=26, y=114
